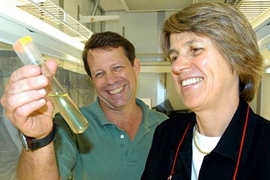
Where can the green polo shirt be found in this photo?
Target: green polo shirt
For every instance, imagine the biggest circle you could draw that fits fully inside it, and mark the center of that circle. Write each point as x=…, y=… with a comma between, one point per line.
x=104, y=151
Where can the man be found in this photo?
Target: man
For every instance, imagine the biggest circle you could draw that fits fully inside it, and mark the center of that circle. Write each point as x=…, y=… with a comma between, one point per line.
x=117, y=141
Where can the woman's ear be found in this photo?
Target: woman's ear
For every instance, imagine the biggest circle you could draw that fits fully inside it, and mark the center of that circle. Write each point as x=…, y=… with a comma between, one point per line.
x=137, y=66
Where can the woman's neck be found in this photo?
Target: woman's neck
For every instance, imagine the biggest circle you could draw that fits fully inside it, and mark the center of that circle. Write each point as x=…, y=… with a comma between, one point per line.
x=213, y=122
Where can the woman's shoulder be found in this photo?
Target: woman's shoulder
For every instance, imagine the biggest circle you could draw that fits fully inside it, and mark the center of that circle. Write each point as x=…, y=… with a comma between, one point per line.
x=262, y=125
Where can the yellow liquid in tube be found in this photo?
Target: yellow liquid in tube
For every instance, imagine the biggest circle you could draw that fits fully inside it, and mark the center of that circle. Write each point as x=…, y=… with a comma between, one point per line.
x=69, y=112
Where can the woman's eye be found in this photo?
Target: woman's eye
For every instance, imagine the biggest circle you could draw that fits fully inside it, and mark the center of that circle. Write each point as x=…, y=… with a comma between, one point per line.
x=173, y=58
x=196, y=51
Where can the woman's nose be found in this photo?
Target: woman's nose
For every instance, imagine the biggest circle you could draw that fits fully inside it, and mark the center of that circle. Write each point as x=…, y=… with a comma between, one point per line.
x=181, y=63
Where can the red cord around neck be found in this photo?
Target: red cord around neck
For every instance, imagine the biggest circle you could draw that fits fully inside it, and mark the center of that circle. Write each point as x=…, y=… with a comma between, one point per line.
x=176, y=154
x=239, y=154
x=241, y=145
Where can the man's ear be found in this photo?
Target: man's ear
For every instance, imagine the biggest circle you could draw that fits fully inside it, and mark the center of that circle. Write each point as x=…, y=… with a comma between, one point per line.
x=137, y=66
x=92, y=81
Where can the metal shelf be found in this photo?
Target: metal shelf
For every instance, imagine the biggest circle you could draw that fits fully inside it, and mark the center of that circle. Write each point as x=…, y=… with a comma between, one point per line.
x=55, y=16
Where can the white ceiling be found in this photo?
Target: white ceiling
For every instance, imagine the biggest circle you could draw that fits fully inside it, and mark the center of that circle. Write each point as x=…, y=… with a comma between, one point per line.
x=148, y=5
x=253, y=9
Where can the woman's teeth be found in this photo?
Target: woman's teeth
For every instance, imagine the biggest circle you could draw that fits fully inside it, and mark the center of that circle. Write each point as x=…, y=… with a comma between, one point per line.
x=191, y=81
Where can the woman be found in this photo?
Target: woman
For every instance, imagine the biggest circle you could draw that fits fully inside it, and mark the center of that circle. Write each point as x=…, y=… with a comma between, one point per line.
x=216, y=67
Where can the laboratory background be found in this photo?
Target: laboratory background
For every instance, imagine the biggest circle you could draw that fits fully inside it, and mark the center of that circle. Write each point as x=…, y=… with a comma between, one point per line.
x=60, y=28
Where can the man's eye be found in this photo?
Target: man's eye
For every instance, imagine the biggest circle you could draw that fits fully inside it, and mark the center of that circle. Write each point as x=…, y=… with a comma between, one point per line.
x=118, y=68
x=99, y=75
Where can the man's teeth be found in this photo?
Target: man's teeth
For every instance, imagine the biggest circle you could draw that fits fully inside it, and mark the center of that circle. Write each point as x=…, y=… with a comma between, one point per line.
x=115, y=91
x=191, y=81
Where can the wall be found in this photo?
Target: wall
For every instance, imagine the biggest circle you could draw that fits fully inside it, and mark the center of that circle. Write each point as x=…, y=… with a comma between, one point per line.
x=265, y=100
x=84, y=8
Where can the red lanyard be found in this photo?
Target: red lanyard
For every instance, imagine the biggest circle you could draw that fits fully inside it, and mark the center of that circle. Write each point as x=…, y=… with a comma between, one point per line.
x=175, y=156
x=239, y=154
x=241, y=145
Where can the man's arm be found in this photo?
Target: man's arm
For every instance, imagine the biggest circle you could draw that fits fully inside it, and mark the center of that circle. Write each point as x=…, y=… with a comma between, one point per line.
x=38, y=164
x=28, y=108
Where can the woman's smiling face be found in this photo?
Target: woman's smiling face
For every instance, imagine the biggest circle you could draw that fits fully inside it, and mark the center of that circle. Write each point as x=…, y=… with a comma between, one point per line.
x=201, y=74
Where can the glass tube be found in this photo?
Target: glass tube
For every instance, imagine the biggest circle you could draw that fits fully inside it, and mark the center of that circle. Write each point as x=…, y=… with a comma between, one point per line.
x=29, y=54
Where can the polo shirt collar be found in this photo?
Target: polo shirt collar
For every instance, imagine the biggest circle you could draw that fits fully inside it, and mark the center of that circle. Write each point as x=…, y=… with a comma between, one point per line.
x=104, y=121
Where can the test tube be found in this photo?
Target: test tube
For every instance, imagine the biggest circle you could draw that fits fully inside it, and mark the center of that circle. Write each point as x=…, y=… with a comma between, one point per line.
x=29, y=54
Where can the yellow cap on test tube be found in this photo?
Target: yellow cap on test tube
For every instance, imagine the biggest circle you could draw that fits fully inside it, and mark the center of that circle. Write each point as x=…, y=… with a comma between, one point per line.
x=27, y=51
x=24, y=40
